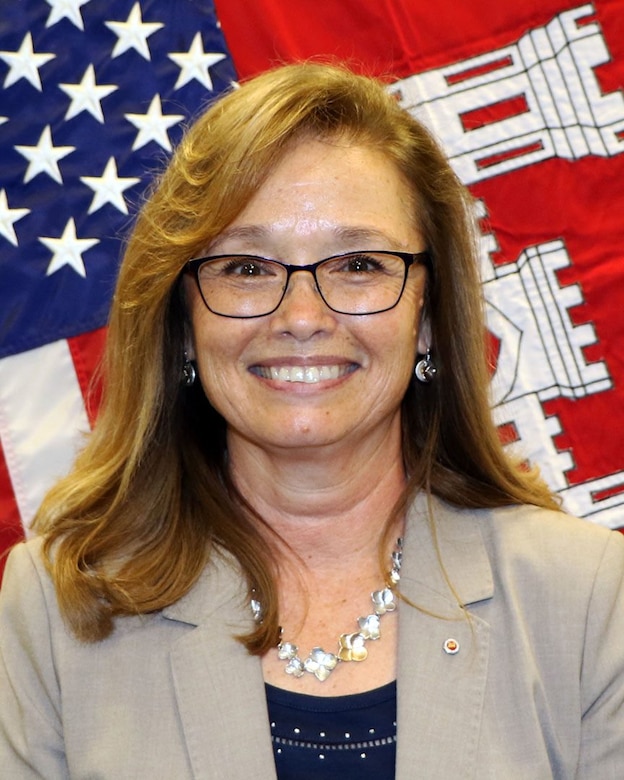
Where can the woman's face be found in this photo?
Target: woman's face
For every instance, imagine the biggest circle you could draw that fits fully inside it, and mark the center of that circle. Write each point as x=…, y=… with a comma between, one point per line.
x=321, y=199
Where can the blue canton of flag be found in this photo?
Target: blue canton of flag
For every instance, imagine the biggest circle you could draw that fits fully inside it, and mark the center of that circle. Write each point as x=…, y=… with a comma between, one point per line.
x=94, y=94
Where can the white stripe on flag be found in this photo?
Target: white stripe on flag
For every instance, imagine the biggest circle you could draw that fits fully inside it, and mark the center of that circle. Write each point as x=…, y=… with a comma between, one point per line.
x=42, y=415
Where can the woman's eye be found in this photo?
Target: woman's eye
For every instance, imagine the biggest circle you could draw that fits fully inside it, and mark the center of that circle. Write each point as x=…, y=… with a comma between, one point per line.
x=245, y=267
x=236, y=267
x=362, y=264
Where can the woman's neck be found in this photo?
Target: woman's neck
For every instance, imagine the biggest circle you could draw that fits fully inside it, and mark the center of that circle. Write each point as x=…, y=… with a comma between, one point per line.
x=322, y=504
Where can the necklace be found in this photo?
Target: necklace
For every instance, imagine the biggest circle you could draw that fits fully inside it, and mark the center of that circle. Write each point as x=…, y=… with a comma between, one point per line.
x=351, y=647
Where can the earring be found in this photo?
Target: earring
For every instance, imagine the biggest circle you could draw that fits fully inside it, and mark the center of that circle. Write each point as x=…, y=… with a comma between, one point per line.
x=425, y=369
x=188, y=372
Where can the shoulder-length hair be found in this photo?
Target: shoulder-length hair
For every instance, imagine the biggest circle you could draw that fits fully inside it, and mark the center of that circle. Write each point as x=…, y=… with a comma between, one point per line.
x=149, y=499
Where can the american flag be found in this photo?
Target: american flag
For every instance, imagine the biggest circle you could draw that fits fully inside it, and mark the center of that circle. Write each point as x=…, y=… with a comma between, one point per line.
x=94, y=94
x=526, y=98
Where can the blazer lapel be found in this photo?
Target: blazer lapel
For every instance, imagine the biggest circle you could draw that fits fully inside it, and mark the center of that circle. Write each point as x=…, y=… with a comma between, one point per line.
x=219, y=686
x=443, y=650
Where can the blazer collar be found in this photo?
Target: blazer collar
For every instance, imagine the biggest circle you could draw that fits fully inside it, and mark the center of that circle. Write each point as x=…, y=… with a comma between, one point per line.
x=219, y=687
x=445, y=558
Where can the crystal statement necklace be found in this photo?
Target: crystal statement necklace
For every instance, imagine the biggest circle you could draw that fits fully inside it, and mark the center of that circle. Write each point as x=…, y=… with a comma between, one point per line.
x=351, y=647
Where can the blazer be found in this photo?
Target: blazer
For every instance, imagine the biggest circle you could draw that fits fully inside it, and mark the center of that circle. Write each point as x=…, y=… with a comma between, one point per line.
x=535, y=689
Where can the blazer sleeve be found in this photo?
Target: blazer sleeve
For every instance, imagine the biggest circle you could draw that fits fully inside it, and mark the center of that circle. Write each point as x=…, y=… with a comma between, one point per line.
x=602, y=683
x=31, y=734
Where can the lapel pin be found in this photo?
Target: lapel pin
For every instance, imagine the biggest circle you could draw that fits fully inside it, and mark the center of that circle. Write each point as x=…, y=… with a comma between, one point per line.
x=451, y=646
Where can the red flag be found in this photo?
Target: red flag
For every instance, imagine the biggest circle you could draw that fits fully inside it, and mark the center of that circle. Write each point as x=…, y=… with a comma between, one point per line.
x=526, y=99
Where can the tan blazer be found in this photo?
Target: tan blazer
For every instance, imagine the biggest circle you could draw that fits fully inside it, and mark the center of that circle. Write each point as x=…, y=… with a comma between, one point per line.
x=535, y=691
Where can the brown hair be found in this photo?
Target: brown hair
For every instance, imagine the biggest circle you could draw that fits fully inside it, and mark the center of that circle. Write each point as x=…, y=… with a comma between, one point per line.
x=149, y=499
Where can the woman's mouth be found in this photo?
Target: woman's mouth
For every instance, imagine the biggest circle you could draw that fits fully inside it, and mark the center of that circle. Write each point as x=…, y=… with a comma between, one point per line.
x=306, y=374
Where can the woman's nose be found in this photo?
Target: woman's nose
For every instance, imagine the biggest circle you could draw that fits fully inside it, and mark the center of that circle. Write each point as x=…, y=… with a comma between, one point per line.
x=303, y=311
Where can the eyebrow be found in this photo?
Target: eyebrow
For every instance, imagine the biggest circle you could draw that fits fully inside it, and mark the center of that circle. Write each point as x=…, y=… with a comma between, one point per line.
x=242, y=231
x=349, y=234
x=344, y=234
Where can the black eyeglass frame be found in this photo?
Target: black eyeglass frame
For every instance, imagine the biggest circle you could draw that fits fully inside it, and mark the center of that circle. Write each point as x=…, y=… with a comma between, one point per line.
x=409, y=258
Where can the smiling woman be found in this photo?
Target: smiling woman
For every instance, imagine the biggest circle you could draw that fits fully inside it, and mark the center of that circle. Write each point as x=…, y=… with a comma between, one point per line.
x=294, y=523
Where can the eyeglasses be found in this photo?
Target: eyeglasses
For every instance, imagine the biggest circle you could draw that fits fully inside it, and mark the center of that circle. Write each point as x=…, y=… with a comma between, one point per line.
x=247, y=286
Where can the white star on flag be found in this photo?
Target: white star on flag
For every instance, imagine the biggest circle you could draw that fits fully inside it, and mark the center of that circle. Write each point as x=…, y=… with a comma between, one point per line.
x=8, y=217
x=66, y=9
x=44, y=157
x=86, y=95
x=25, y=63
x=153, y=126
x=68, y=249
x=109, y=188
x=195, y=64
x=133, y=33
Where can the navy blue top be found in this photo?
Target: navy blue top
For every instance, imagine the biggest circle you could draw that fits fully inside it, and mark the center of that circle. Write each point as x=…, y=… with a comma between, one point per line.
x=333, y=737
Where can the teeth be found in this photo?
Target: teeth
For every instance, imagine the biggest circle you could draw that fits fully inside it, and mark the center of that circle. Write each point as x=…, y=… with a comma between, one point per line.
x=306, y=374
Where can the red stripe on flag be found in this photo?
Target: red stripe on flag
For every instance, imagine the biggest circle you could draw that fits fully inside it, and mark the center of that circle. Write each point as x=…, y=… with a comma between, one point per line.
x=11, y=530
x=86, y=351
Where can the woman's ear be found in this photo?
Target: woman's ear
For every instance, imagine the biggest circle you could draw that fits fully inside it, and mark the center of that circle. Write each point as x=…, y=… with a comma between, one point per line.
x=424, y=335
x=189, y=346
x=189, y=349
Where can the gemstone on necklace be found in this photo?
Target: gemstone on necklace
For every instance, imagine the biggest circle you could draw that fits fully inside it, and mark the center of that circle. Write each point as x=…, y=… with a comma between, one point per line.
x=370, y=626
x=294, y=667
x=320, y=663
x=352, y=647
x=256, y=608
x=286, y=651
x=384, y=601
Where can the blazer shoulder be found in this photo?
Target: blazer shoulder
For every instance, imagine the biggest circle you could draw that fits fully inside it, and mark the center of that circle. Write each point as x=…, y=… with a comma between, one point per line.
x=547, y=525
x=545, y=546
x=28, y=602
x=25, y=566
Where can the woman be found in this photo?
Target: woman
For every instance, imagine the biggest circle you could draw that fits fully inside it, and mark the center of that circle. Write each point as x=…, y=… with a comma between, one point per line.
x=295, y=418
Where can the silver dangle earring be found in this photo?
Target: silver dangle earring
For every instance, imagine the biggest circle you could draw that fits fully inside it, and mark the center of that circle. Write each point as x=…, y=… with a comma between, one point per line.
x=425, y=369
x=188, y=372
